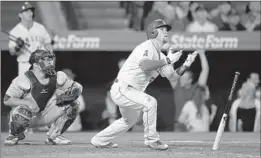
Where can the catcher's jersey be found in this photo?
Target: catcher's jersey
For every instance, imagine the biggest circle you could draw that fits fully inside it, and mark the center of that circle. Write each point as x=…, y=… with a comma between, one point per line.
x=36, y=36
x=41, y=93
x=131, y=72
x=27, y=86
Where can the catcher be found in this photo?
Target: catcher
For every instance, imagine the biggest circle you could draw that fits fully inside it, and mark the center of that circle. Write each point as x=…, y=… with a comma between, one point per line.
x=42, y=97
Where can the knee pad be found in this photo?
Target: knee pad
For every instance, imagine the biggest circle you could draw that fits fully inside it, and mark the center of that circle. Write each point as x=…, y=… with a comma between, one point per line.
x=64, y=121
x=20, y=120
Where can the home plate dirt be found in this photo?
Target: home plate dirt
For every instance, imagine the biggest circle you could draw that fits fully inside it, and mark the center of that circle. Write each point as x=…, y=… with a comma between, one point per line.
x=181, y=145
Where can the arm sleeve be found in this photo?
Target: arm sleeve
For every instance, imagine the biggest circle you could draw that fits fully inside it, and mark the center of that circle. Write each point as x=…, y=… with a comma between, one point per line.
x=18, y=87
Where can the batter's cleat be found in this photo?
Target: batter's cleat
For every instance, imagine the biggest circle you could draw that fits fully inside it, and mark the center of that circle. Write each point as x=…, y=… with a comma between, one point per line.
x=110, y=145
x=59, y=140
x=13, y=140
x=158, y=145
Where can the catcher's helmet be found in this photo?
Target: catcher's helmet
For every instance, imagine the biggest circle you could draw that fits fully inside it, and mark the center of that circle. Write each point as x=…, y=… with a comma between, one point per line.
x=39, y=56
x=152, y=31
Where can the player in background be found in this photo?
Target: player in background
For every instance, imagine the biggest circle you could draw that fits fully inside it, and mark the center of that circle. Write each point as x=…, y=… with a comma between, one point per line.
x=32, y=97
x=245, y=110
x=30, y=36
x=143, y=65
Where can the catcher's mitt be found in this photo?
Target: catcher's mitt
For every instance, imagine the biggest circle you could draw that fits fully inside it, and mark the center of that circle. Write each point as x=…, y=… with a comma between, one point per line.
x=68, y=97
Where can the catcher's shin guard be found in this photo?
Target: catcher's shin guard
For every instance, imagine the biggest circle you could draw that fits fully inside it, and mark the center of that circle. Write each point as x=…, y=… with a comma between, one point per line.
x=20, y=120
x=64, y=121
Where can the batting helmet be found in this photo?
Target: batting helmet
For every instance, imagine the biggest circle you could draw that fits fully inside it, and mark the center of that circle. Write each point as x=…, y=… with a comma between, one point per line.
x=152, y=31
x=27, y=6
x=38, y=56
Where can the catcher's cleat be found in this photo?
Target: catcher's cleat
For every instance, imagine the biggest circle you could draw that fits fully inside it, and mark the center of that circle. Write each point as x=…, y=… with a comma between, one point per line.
x=158, y=145
x=13, y=140
x=110, y=145
x=59, y=140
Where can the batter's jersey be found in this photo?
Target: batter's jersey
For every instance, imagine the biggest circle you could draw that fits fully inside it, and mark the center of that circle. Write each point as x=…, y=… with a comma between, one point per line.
x=27, y=86
x=131, y=72
x=36, y=37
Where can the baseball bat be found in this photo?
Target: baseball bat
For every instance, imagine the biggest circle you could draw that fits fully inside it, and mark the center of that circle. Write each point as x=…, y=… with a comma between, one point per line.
x=223, y=121
x=12, y=37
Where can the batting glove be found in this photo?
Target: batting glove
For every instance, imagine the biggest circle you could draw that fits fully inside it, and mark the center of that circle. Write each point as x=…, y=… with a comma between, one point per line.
x=19, y=44
x=190, y=59
x=174, y=56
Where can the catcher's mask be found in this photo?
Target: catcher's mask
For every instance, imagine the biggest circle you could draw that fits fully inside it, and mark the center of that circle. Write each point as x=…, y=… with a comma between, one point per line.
x=45, y=59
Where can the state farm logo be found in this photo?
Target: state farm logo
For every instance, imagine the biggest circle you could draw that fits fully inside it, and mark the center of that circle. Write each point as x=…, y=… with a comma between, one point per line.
x=74, y=42
x=209, y=41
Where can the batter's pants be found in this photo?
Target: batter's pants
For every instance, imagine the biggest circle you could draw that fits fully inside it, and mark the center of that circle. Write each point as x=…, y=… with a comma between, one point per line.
x=131, y=102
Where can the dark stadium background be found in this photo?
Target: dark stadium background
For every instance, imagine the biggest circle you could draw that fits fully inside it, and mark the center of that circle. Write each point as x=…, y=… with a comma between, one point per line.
x=96, y=69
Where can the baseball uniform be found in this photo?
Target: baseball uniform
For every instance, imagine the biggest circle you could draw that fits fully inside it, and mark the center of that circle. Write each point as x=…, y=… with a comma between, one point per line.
x=128, y=93
x=36, y=37
x=27, y=86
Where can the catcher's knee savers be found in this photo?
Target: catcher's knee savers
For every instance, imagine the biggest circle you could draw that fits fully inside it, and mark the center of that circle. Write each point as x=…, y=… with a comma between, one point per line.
x=20, y=119
x=64, y=121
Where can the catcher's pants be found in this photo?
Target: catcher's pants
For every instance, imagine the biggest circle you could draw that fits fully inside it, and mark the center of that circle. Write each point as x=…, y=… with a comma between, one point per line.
x=130, y=102
x=23, y=67
x=48, y=115
x=45, y=117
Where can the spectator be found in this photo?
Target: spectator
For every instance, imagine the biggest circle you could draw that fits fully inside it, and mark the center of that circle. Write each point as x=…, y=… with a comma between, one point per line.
x=245, y=111
x=136, y=15
x=233, y=22
x=146, y=9
x=184, y=88
x=251, y=19
x=181, y=11
x=192, y=8
x=77, y=124
x=195, y=114
x=160, y=10
x=219, y=14
x=201, y=23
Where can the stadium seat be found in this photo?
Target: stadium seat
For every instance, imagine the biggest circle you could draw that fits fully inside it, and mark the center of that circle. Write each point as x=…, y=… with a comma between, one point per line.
x=100, y=15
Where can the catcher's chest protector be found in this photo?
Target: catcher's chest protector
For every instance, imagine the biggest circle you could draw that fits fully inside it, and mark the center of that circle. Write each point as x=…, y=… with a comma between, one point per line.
x=41, y=93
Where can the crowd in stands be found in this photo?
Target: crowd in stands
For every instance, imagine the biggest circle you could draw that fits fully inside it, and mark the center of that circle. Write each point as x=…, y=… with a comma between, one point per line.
x=195, y=16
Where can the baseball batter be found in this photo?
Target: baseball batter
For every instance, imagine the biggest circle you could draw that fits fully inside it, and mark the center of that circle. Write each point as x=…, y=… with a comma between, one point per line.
x=143, y=65
x=33, y=97
x=30, y=36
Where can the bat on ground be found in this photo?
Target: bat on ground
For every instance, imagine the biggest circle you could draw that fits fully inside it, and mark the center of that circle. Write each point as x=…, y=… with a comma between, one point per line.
x=223, y=121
